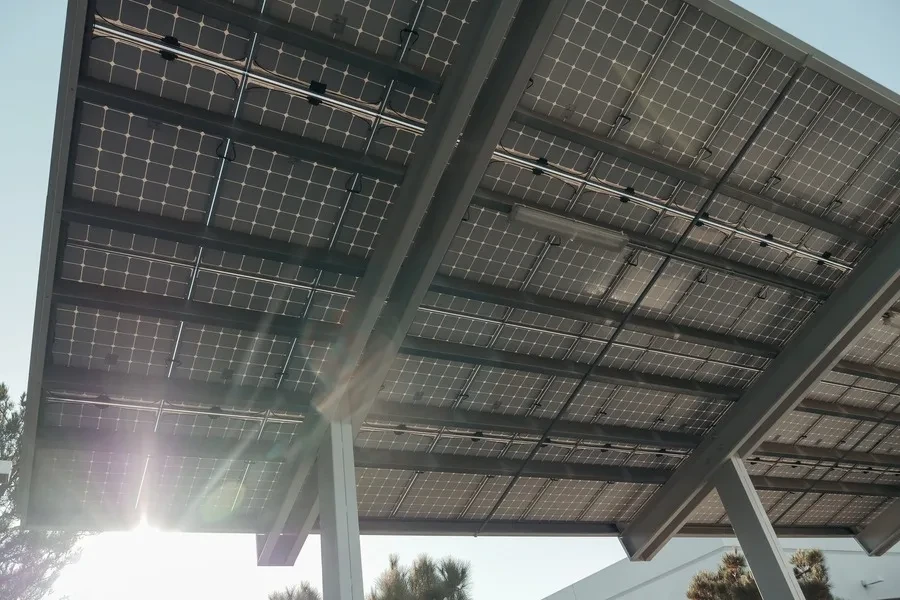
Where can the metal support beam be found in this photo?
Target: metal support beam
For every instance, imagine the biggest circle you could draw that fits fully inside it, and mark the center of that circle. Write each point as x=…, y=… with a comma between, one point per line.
x=96, y=387
x=176, y=113
x=55, y=439
x=829, y=455
x=311, y=41
x=517, y=528
x=603, y=144
x=774, y=576
x=479, y=420
x=883, y=532
x=191, y=311
x=73, y=39
x=560, y=368
x=113, y=521
x=338, y=516
x=812, y=351
x=104, y=384
x=214, y=238
x=594, y=315
x=483, y=41
x=298, y=528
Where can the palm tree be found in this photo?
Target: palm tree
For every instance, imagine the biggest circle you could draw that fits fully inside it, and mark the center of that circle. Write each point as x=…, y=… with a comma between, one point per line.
x=425, y=579
x=734, y=581
x=304, y=591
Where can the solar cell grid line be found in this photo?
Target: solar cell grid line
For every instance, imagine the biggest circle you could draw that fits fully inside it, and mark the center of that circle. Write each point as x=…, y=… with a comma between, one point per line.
x=707, y=143
x=224, y=271
x=687, y=215
x=264, y=80
x=833, y=515
x=769, y=182
x=548, y=244
x=832, y=466
x=858, y=424
x=573, y=134
x=355, y=179
x=355, y=107
x=656, y=246
x=312, y=41
x=473, y=374
x=861, y=168
x=619, y=276
x=252, y=47
x=798, y=69
x=798, y=143
x=352, y=185
x=775, y=176
x=634, y=257
x=887, y=397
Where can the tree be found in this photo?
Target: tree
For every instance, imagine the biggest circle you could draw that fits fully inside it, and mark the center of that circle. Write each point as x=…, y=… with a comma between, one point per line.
x=425, y=579
x=304, y=591
x=30, y=561
x=734, y=581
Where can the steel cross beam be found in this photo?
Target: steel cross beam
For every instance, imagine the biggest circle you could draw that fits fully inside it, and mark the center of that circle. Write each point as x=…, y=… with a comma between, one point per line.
x=307, y=506
x=109, y=521
x=812, y=351
x=69, y=439
x=883, y=532
x=70, y=385
x=497, y=90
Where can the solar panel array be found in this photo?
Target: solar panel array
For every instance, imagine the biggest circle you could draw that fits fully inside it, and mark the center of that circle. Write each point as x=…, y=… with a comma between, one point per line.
x=205, y=267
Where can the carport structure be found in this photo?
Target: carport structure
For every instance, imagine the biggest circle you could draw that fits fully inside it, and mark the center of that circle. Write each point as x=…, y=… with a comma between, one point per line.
x=499, y=268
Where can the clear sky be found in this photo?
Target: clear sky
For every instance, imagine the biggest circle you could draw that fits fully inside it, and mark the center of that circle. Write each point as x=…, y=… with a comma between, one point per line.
x=148, y=565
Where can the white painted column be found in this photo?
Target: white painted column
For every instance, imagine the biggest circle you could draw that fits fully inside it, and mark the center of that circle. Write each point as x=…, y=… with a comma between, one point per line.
x=338, y=516
x=774, y=576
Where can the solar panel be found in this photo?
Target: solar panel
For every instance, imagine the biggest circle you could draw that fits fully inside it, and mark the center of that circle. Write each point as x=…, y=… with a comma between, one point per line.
x=226, y=189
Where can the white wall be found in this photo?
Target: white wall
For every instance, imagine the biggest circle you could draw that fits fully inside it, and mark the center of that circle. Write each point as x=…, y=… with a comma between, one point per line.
x=668, y=575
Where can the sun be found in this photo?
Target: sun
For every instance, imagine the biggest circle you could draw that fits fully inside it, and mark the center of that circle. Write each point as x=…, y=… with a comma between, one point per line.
x=128, y=561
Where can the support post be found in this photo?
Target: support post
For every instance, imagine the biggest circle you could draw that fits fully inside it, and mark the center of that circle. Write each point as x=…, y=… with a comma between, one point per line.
x=882, y=532
x=773, y=575
x=338, y=516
